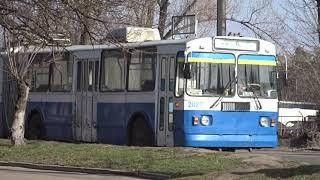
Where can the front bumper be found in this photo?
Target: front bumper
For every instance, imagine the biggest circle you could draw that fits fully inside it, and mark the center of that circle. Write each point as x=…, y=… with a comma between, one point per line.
x=234, y=141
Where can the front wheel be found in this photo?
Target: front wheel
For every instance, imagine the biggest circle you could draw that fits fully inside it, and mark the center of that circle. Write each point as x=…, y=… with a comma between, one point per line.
x=34, y=127
x=141, y=134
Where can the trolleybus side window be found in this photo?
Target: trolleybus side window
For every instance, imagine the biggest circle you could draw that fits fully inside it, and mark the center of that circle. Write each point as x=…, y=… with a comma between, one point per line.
x=163, y=74
x=113, y=71
x=79, y=76
x=40, y=73
x=96, y=75
x=142, y=69
x=91, y=74
x=61, y=77
x=171, y=73
x=161, y=122
x=179, y=74
x=85, y=84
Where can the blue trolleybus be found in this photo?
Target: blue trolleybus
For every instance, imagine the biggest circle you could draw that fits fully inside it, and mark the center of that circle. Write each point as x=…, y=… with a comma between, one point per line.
x=205, y=92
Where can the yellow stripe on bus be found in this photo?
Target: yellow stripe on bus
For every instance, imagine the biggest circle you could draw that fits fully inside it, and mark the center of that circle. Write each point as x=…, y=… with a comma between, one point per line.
x=258, y=62
x=210, y=60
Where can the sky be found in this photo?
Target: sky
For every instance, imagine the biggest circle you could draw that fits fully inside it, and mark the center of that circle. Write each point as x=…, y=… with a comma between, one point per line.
x=241, y=10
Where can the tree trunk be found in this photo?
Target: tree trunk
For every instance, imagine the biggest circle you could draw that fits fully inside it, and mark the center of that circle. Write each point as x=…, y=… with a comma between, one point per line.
x=17, y=136
x=85, y=38
x=162, y=16
x=151, y=5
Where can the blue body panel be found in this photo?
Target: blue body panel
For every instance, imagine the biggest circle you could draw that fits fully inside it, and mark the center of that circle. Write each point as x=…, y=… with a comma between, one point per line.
x=228, y=129
x=2, y=124
x=57, y=118
x=113, y=118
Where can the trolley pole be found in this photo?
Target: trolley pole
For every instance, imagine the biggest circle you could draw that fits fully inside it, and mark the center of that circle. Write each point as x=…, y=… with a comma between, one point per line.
x=221, y=17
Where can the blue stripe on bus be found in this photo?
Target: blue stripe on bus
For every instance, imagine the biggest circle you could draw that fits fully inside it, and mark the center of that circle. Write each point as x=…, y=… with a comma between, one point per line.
x=211, y=58
x=211, y=55
x=228, y=129
x=2, y=122
x=257, y=60
x=257, y=57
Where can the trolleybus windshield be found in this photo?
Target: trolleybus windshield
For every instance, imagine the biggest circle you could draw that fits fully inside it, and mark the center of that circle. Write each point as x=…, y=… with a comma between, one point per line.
x=257, y=76
x=212, y=74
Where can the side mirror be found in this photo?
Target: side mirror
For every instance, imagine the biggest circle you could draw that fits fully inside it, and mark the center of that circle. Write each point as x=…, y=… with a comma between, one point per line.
x=282, y=79
x=187, y=71
x=281, y=84
x=285, y=79
x=282, y=70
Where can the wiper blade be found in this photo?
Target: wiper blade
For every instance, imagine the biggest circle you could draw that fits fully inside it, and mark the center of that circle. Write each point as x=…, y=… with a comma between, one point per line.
x=216, y=102
x=257, y=102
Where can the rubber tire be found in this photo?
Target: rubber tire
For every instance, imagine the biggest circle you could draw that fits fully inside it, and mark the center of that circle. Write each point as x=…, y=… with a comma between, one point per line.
x=34, y=128
x=140, y=134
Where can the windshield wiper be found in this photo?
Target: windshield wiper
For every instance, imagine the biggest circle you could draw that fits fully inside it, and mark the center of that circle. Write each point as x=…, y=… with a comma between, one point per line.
x=257, y=102
x=216, y=102
x=221, y=96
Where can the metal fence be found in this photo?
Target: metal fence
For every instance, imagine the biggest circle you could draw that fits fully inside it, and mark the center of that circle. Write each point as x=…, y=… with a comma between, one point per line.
x=296, y=128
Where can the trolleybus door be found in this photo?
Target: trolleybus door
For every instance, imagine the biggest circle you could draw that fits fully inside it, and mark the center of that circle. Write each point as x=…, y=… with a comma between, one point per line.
x=87, y=86
x=165, y=101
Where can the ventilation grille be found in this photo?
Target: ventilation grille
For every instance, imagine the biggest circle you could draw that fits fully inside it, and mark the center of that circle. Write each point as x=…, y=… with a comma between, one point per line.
x=235, y=106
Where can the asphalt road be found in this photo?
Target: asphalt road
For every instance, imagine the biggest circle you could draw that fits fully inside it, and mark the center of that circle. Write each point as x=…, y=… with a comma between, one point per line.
x=13, y=173
x=307, y=157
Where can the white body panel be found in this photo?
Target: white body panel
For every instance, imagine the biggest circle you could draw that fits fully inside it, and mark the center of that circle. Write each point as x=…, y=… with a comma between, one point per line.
x=204, y=103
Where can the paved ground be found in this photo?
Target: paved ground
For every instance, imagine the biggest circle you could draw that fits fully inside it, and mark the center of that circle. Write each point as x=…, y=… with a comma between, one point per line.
x=32, y=174
x=307, y=157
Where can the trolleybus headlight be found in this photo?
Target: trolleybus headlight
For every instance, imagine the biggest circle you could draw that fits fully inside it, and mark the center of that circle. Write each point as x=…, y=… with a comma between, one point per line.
x=264, y=121
x=205, y=120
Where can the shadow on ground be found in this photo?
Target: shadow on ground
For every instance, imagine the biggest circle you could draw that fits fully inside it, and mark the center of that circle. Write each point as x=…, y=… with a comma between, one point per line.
x=303, y=170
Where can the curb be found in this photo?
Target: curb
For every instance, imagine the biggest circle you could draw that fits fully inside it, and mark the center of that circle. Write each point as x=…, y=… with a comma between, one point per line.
x=139, y=174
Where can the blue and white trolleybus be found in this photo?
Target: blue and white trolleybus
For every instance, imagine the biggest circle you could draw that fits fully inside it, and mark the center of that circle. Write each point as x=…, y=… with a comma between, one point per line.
x=205, y=92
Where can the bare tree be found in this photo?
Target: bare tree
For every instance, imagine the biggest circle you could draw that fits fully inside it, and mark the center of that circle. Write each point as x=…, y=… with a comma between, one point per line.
x=302, y=23
x=260, y=18
x=140, y=12
x=31, y=25
x=303, y=77
x=17, y=61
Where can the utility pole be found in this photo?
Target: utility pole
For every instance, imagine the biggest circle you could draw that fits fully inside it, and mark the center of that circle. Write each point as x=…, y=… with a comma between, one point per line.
x=2, y=38
x=221, y=17
x=318, y=8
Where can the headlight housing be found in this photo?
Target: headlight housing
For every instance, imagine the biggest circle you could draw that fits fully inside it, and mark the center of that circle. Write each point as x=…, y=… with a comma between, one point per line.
x=264, y=121
x=205, y=120
x=195, y=120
